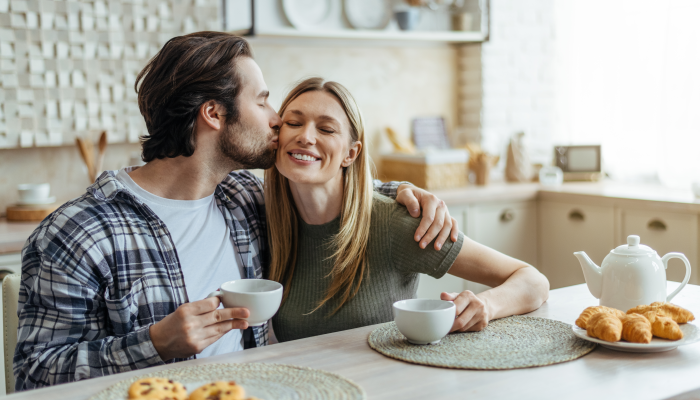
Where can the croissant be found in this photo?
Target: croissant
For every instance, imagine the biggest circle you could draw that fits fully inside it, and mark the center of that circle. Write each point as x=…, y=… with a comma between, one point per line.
x=663, y=327
x=604, y=325
x=676, y=313
x=582, y=320
x=636, y=328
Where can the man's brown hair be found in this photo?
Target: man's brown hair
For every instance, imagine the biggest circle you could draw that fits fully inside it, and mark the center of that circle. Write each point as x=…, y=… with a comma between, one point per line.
x=186, y=73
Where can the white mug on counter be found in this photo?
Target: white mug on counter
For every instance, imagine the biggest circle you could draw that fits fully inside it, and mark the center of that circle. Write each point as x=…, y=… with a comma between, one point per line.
x=34, y=193
x=261, y=297
x=424, y=321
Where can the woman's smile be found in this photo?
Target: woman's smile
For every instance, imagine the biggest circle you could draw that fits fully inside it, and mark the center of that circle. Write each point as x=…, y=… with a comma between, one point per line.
x=303, y=157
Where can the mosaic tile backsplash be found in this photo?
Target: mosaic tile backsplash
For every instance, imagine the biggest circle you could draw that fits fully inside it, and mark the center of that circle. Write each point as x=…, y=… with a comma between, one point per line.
x=67, y=68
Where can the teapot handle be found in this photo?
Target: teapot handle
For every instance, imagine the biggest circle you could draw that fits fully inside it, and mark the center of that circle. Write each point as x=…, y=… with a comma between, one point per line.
x=681, y=256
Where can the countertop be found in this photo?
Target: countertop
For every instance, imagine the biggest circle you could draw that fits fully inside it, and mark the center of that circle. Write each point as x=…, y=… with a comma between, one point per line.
x=14, y=234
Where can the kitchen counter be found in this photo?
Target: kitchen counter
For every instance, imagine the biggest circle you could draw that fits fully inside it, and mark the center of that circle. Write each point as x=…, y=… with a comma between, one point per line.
x=593, y=191
x=14, y=234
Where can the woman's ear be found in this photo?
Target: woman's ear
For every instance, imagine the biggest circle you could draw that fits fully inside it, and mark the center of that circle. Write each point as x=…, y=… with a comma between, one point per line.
x=353, y=152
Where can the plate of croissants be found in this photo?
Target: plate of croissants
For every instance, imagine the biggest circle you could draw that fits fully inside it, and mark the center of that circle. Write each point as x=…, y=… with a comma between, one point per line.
x=656, y=327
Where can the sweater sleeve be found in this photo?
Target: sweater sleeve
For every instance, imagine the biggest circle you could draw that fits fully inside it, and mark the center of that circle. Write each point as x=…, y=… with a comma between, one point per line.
x=408, y=257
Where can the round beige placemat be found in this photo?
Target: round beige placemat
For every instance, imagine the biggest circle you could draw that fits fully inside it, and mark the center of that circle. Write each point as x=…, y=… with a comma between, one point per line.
x=506, y=343
x=264, y=381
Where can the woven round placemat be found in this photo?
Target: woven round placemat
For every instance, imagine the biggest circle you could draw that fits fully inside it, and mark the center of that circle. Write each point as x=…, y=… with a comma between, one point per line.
x=264, y=381
x=506, y=343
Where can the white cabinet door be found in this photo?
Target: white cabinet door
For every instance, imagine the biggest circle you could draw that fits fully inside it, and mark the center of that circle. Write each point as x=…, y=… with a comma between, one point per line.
x=510, y=228
x=666, y=232
x=565, y=228
x=429, y=287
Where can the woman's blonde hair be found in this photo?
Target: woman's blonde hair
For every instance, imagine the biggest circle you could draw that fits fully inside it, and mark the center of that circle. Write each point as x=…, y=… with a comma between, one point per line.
x=350, y=244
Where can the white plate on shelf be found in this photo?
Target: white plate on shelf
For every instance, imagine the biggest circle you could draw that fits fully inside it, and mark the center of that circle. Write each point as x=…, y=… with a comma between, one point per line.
x=368, y=14
x=48, y=200
x=308, y=14
x=691, y=334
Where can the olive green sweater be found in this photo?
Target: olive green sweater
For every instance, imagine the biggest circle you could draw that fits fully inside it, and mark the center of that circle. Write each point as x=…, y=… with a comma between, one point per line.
x=394, y=260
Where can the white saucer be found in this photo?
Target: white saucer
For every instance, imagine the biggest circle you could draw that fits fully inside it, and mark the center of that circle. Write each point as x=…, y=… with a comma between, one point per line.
x=691, y=334
x=48, y=200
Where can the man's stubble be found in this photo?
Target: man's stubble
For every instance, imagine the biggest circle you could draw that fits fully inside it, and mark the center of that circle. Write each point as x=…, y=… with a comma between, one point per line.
x=247, y=147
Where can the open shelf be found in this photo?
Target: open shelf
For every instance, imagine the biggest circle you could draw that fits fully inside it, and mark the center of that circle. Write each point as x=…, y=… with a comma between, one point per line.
x=389, y=35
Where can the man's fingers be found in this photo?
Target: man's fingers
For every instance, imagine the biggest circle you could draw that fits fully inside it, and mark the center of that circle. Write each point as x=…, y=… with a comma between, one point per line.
x=410, y=201
x=444, y=233
x=461, y=301
x=429, y=212
x=225, y=314
x=212, y=333
x=455, y=230
x=436, y=226
x=200, y=307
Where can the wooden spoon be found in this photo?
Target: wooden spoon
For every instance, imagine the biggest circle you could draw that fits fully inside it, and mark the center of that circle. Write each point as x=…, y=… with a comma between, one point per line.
x=101, y=147
x=86, y=152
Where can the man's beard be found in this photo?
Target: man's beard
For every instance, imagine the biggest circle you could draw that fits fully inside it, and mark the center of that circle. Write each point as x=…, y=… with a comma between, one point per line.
x=247, y=147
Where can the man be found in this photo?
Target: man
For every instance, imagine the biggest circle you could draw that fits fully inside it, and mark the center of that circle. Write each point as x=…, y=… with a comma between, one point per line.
x=113, y=280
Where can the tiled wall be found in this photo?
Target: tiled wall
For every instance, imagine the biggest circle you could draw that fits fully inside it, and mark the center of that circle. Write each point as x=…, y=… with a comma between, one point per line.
x=68, y=68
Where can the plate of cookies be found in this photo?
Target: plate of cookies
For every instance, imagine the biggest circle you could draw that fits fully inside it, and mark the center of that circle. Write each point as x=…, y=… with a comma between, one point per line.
x=249, y=381
x=656, y=327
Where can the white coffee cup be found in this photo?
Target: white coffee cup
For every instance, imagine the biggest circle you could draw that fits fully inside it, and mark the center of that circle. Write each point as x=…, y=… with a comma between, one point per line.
x=424, y=321
x=261, y=297
x=33, y=192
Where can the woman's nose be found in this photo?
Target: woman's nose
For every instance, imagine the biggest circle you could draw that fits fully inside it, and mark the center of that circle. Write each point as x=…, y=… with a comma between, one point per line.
x=307, y=135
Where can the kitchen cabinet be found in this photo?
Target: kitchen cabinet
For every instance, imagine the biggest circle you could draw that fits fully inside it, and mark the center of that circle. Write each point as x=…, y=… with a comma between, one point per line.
x=665, y=232
x=509, y=227
x=565, y=228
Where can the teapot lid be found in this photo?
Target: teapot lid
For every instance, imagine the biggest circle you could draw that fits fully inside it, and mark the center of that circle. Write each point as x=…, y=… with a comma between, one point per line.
x=633, y=248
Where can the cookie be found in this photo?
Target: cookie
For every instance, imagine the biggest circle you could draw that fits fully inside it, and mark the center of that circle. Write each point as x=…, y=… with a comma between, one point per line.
x=219, y=391
x=157, y=389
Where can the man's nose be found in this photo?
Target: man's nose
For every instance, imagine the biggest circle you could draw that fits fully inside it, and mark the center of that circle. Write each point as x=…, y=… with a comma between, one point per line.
x=275, y=121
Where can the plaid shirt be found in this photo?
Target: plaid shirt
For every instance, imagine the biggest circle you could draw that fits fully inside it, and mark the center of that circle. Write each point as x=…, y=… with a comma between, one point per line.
x=100, y=270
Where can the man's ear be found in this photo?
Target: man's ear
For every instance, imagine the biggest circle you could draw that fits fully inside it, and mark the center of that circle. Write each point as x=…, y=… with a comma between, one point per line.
x=212, y=114
x=353, y=152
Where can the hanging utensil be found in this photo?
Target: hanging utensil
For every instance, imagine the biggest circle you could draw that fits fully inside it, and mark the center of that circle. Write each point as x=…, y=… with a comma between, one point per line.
x=101, y=147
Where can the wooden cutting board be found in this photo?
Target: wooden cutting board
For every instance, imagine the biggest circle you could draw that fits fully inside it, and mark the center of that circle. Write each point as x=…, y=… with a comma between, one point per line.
x=29, y=213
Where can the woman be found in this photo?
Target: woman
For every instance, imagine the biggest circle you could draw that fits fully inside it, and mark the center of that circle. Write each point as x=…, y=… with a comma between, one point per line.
x=344, y=253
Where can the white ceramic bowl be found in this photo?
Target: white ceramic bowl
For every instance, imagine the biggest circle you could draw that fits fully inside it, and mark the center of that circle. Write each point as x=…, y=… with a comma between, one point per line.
x=261, y=297
x=424, y=321
x=696, y=188
x=33, y=192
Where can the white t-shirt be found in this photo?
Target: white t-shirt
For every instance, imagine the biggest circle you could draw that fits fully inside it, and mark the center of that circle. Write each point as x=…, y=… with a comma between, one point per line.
x=204, y=247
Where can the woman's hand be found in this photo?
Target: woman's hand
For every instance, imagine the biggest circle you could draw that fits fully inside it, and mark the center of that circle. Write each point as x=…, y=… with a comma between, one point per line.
x=437, y=221
x=472, y=311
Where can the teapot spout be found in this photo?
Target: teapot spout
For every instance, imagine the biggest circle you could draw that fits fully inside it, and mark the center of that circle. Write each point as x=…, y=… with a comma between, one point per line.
x=592, y=273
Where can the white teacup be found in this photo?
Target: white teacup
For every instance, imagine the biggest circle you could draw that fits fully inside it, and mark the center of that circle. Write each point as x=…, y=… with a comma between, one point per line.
x=424, y=321
x=33, y=192
x=261, y=297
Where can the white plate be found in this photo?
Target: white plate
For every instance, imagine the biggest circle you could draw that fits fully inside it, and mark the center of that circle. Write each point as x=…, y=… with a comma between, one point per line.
x=368, y=14
x=48, y=200
x=308, y=14
x=691, y=334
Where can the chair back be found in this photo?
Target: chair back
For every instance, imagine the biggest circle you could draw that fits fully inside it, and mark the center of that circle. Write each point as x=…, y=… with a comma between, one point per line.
x=10, y=297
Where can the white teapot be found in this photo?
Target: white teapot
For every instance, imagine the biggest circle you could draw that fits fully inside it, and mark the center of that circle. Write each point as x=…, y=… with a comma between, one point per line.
x=630, y=275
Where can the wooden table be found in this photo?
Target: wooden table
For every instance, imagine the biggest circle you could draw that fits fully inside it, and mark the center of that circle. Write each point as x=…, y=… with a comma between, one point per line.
x=601, y=374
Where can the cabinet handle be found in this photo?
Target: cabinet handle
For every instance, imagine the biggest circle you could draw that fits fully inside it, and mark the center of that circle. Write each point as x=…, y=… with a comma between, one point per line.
x=507, y=215
x=576, y=215
x=656, y=225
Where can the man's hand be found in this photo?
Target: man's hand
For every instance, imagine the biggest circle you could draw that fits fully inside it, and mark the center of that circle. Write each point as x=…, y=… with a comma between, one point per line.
x=472, y=313
x=193, y=327
x=436, y=221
